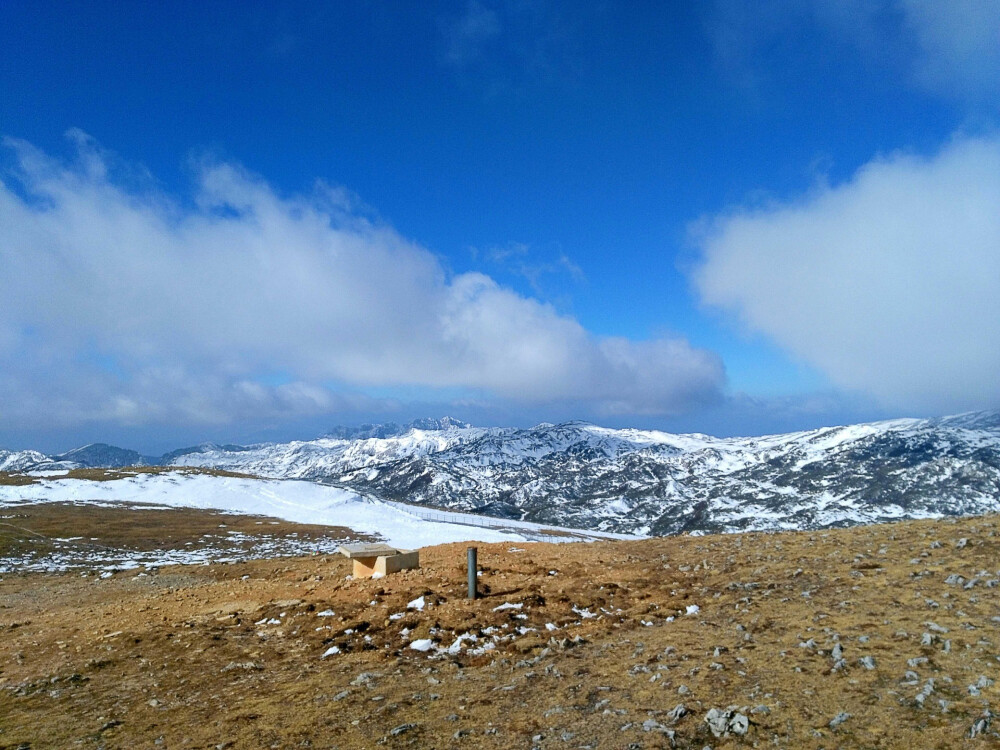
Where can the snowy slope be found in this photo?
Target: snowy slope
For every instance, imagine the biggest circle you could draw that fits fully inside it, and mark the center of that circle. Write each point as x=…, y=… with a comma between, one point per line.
x=302, y=502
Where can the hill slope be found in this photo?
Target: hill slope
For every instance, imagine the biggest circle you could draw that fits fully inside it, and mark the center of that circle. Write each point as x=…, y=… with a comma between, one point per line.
x=875, y=637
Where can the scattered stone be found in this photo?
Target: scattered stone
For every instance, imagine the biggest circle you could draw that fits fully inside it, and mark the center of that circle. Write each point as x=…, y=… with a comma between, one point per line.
x=981, y=725
x=402, y=729
x=925, y=692
x=981, y=684
x=652, y=725
x=839, y=719
x=677, y=713
x=726, y=722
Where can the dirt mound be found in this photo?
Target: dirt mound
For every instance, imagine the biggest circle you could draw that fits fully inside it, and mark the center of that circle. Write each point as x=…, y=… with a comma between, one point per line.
x=880, y=636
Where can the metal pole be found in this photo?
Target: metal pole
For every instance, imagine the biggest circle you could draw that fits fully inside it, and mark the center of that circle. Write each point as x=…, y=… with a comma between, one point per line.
x=473, y=571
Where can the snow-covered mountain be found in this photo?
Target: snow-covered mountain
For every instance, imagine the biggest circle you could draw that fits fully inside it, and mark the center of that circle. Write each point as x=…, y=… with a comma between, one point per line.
x=635, y=481
x=17, y=461
x=648, y=482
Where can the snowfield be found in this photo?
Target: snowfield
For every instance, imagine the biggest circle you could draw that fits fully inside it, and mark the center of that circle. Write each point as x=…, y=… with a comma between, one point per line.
x=300, y=502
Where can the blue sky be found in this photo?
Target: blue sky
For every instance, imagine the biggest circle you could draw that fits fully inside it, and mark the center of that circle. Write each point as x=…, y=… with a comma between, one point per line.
x=245, y=221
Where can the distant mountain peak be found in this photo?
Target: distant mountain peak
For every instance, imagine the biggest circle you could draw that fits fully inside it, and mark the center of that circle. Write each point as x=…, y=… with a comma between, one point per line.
x=105, y=456
x=394, y=429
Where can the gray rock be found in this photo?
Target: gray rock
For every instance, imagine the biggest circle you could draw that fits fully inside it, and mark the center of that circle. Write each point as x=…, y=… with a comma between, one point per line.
x=980, y=725
x=726, y=722
x=955, y=580
x=366, y=679
x=916, y=661
x=868, y=662
x=981, y=684
x=925, y=692
x=677, y=713
x=839, y=719
x=961, y=543
x=402, y=729
x=838, y=652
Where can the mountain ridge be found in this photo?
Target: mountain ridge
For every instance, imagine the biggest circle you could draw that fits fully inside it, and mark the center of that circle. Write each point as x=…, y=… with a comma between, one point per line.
x=644, y=481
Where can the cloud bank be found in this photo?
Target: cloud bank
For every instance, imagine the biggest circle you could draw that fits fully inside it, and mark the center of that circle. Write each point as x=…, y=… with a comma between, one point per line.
x=125, y=304
x=889, y=283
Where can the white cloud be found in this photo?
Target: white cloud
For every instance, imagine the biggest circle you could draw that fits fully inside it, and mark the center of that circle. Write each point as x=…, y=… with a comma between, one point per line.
x=959, y=43
x=949, y=48
x=889, y=283
x=125, y=304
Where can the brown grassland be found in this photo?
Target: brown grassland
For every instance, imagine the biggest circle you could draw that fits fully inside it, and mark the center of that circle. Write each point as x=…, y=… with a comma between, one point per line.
x=230, y=655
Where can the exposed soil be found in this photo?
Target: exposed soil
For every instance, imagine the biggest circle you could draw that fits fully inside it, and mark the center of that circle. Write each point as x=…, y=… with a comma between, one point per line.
x=231, y=655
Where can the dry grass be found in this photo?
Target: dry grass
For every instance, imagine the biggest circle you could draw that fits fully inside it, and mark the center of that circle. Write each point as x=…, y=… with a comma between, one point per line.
x=42, y=527
x=184, y=657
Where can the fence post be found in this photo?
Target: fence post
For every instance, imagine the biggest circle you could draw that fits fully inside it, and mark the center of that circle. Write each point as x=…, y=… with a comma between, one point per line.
x=473, y=571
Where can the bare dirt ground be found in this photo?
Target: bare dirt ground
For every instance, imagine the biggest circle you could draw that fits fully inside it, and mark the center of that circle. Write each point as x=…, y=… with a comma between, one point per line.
x=873, y=637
